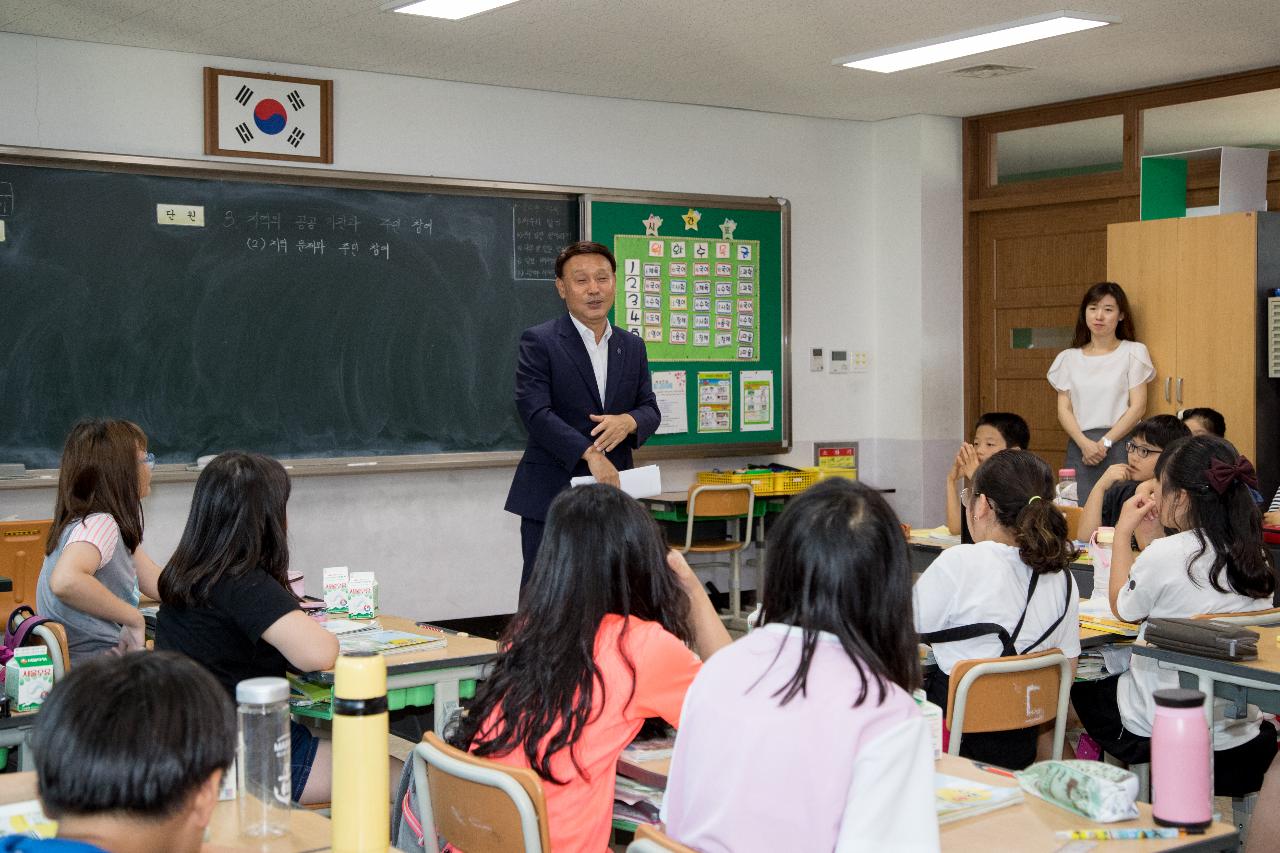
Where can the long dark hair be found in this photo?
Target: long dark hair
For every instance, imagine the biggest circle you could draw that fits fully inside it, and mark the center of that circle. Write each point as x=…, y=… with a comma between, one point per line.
x=1229, y=522
x=1019, y=486
x=237, y=524
x=99, y=473
x=601, y=553
x=837, y=562
x=1125, y=329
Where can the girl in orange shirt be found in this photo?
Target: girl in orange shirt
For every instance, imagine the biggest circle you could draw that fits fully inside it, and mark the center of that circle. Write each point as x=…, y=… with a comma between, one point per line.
x=599, y=644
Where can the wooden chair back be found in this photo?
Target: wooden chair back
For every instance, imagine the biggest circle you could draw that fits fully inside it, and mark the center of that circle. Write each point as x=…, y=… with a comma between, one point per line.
x=708, y=501
x=478, y=805
x=21, y=556
x=999, y=694
x=651, y=839
x=1270, y=616
x=1072, y=514
x=54, y=637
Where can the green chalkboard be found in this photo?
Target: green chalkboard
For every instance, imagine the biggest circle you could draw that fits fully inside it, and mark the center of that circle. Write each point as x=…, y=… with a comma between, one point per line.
x=705, y=284
x=330, y=317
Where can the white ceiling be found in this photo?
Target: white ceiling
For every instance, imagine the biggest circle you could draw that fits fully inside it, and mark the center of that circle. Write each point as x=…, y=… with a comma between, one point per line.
x=749, y=54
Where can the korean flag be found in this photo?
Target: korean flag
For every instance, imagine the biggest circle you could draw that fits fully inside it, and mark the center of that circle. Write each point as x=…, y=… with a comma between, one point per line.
x=268, y=116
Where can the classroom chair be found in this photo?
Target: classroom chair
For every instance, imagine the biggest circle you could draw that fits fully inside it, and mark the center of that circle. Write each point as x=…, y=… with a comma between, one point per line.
x=650, y=839
x=999, y=694
x=1072, y=514
x=732, y=503
x=478, y=805
x=21, y=556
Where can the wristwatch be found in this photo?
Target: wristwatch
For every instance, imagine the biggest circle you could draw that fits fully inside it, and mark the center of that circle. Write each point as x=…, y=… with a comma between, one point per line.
x=1106, y=442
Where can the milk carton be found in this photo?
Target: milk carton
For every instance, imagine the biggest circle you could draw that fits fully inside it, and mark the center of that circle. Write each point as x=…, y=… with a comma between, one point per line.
x=28, y=677
x=362, y=596
x=933, y=719
x=335, y=589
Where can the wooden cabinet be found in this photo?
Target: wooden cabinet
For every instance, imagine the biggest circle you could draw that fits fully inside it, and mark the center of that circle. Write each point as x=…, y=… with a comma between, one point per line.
x=1197, y=289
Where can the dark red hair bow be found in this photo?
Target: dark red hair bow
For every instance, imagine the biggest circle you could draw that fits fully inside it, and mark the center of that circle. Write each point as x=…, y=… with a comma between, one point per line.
x=1222, y=474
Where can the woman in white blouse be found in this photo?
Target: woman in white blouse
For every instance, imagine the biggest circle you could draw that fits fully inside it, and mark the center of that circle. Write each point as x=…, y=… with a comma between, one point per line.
x=1101, y=383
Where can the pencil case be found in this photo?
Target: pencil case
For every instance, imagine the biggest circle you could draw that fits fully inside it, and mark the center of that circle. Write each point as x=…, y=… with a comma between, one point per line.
x=1203, y=637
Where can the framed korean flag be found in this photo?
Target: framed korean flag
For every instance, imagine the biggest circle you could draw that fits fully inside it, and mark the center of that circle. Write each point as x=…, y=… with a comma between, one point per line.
x=267, y=116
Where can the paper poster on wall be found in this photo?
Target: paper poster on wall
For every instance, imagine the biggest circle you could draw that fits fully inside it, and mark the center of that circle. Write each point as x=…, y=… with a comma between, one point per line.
x=670, y=387
x=757, y=400
x=715, y=402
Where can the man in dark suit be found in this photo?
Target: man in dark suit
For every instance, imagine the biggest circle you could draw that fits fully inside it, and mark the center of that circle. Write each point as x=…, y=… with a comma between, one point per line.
x=583, y=392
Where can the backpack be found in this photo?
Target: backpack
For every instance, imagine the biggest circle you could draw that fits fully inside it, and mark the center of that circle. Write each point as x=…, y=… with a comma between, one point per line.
x=17, y=628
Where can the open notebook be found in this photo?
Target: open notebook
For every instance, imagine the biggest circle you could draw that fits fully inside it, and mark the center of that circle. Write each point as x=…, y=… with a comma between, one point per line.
x=365, y=636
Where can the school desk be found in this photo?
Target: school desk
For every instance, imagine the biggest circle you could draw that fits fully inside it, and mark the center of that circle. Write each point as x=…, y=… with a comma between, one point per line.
x=1028, y=827
x=1242, y=683
x=308, y=831
x=433, y=677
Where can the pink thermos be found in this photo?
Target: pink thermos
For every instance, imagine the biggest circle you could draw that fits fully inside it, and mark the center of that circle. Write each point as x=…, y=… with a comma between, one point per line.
x=1181, y=752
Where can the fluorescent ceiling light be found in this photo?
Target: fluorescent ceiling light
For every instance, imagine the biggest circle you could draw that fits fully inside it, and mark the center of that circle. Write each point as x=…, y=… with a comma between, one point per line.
x=451, y=9
x=974, y=41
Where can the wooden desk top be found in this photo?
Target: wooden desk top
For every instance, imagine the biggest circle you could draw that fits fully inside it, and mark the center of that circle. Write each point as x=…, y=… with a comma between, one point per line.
x=1028, y=827
x=460, y=651
x=1265, y=668
x=308, y=831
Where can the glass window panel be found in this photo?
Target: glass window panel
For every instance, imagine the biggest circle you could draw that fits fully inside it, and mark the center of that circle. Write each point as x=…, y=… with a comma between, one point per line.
x=1060, y=150
x=1050, y=338
x=1245, y=121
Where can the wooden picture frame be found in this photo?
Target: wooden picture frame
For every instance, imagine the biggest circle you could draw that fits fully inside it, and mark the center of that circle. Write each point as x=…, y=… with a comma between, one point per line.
x=265, y=139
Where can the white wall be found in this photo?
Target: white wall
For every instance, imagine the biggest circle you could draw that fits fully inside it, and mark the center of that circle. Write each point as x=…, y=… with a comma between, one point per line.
x=875, y=266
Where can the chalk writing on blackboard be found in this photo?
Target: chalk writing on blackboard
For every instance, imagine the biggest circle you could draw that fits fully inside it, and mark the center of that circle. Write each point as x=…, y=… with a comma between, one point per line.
x=6, y=198
x=539, y=230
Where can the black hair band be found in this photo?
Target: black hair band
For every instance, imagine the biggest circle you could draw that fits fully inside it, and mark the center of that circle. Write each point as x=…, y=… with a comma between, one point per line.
x=359, y=707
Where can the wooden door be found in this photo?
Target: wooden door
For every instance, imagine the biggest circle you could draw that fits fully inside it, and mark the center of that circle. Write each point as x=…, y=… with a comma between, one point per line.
x=1033, y=266
x=1144, y=259
x=1216, y=321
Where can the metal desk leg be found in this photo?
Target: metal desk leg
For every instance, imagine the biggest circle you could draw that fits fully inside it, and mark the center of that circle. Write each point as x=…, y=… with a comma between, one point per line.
x=446, y=705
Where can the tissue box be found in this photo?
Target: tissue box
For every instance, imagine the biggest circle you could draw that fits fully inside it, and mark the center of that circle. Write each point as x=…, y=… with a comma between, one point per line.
x=933, y=719
x=362, y=596
x=335, y=589
x=28, y=677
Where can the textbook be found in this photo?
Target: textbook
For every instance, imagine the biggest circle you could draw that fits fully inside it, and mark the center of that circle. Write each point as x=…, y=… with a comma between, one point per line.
x=958, y=798
x=1109, y=626
x=372, y=637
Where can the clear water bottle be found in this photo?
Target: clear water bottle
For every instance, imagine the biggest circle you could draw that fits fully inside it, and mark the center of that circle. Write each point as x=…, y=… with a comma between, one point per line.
x=1065, y=495
x=263, y=756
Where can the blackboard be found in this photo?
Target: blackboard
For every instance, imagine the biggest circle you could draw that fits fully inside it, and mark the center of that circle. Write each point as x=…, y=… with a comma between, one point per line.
x=753, y=235
x=354, y=318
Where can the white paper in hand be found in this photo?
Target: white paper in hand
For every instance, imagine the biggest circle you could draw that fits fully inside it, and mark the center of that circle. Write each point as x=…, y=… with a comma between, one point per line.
x=638, y=482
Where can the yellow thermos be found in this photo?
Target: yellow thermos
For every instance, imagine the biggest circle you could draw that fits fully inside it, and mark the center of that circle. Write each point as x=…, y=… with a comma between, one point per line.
x=361, y=799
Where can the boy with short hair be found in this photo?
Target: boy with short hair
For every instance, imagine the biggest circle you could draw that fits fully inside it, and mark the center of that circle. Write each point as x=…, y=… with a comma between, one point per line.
x=129, y=754
x=1120, y=482
x=994, y=431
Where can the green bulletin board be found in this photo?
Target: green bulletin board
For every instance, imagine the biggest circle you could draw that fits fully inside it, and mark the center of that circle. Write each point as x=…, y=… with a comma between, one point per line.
x=705, y=286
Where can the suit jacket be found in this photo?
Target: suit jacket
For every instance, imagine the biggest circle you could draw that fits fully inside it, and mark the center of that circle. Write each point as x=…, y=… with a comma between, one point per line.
x=556, y=392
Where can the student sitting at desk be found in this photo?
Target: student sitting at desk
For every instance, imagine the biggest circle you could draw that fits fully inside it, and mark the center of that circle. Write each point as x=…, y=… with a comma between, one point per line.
x=816, y=700
x=94, y=563
x=129, y=754
x=1216, y=563
x=994, y=431
x=1120, y=482
x=596, y=647
x=1010, y=593
x=225, y=598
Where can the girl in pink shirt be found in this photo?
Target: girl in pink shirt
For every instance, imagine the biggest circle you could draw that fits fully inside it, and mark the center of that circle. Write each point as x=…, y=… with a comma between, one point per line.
x=599, y=644
x=803, y=735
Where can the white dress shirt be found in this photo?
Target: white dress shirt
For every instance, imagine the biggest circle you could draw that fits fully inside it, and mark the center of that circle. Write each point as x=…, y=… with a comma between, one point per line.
x=598, y=352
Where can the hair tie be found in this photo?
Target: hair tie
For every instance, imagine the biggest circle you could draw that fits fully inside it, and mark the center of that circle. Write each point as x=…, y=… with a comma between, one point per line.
x=1221, y=475
x=1034, y=498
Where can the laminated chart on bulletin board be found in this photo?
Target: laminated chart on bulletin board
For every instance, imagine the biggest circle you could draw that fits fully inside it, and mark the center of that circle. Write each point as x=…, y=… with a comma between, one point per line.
x=705, y=286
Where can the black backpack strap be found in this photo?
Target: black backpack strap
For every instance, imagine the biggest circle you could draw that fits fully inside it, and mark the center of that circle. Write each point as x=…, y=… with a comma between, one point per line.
x=971, y=632
x=1065, y=607
x=1017, y=629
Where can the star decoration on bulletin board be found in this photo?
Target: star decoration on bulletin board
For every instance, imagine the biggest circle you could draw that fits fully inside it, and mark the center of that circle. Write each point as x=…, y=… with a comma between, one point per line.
x=726, y=229
x=652, y=224
x=691, y=219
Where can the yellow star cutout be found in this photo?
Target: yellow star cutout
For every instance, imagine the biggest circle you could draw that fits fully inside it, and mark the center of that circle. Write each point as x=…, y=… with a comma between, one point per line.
x=691, y=220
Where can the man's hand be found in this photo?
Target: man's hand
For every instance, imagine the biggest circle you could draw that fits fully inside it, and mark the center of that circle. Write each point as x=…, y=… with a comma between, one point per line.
x=611, y=430
x=601, y=468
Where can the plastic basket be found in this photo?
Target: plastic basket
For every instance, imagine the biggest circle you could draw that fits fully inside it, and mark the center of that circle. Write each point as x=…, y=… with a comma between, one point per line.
x=794, y=482
x=761, y=481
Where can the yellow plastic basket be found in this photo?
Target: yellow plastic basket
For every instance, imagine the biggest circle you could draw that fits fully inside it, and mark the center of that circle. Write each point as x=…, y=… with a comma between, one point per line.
x=761, y=481
x=794, y=482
